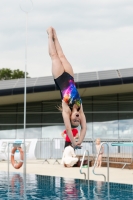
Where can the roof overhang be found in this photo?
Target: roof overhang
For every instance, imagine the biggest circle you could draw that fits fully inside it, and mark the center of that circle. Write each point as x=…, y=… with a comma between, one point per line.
x=88, y=84
x=52, y=95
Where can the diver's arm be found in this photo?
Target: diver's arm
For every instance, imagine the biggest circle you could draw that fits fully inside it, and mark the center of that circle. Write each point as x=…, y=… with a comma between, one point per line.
x=66, y=112
x=68, y=126
x=76, y=136
x=83, y=127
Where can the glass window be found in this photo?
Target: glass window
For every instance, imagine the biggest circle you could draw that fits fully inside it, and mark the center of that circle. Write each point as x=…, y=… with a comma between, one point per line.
x=51, y=114
x=105, y=129
x=52, y=131
x=126, y=115
x=105, y=117
x=126, y=129
x=89, y=132
x=31, y=133
x=8, y=134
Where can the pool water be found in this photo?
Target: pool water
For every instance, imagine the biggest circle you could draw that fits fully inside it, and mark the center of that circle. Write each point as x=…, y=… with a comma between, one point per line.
x=56, y=188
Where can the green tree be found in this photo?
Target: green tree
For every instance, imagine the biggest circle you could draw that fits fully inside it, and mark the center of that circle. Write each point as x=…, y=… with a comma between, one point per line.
x=7, y=74
x=18, y=74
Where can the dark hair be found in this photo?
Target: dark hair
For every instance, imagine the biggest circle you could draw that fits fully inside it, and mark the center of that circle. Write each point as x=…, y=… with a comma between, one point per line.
x=74, y=126
x=71, y=145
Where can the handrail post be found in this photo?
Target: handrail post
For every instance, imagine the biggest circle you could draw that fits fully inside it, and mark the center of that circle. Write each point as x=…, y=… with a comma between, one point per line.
x=82, y=164
x=107, y=162
x=107, y=166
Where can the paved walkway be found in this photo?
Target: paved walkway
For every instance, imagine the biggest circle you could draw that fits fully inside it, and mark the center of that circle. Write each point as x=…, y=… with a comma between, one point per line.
x=36, y=167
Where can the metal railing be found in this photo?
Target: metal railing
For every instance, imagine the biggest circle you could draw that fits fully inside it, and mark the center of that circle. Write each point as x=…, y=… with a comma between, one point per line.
x=118, y=154
x=47, y=148
x=107, y=169
x=86, y=151
x=107, y=162
x=43, y=149
x=124, y=144
x=57, y=148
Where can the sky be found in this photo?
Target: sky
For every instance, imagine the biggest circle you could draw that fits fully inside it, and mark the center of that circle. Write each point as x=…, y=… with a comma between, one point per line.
x=95, y=35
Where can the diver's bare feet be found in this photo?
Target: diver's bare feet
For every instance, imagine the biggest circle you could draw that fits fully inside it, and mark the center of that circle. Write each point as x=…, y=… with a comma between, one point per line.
x=50, y=33
x=49, y=30
x=54, y=33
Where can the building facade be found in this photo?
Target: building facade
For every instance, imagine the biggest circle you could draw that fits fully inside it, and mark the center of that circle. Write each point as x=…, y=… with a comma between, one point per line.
x=107, y=98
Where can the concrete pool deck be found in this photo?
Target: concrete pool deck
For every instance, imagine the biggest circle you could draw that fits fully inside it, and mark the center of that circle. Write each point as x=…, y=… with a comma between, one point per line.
x=38, y=167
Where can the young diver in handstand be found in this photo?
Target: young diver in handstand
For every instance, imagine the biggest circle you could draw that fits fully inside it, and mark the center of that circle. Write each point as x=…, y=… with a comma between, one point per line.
x=72, y=109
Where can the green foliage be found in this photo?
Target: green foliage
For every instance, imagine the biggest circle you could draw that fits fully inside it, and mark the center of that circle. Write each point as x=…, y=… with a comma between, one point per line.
x=7, y=74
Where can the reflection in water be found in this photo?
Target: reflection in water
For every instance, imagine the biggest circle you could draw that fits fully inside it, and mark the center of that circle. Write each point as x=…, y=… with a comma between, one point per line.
x=16, y=186
x=70, y=190
x=101, y=190
x=57, y=188
x=64, y=188
x=98, y=190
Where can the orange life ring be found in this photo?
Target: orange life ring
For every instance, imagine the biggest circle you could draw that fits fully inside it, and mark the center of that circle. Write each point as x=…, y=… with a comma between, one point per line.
x=14, y=164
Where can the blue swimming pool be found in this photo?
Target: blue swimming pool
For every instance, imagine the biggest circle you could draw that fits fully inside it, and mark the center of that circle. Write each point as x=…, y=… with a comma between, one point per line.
x=57, y=188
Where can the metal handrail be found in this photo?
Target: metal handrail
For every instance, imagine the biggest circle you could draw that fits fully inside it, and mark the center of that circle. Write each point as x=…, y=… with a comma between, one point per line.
x=82, y=164
x=122, y=144
x=107, y=168
x=107, y=162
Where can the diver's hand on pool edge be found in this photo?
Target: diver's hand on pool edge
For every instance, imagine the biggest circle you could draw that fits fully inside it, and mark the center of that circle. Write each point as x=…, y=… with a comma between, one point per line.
x=76, y=146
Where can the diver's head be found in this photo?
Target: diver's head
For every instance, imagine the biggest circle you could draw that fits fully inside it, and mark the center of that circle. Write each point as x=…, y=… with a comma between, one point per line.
x=75, y=119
